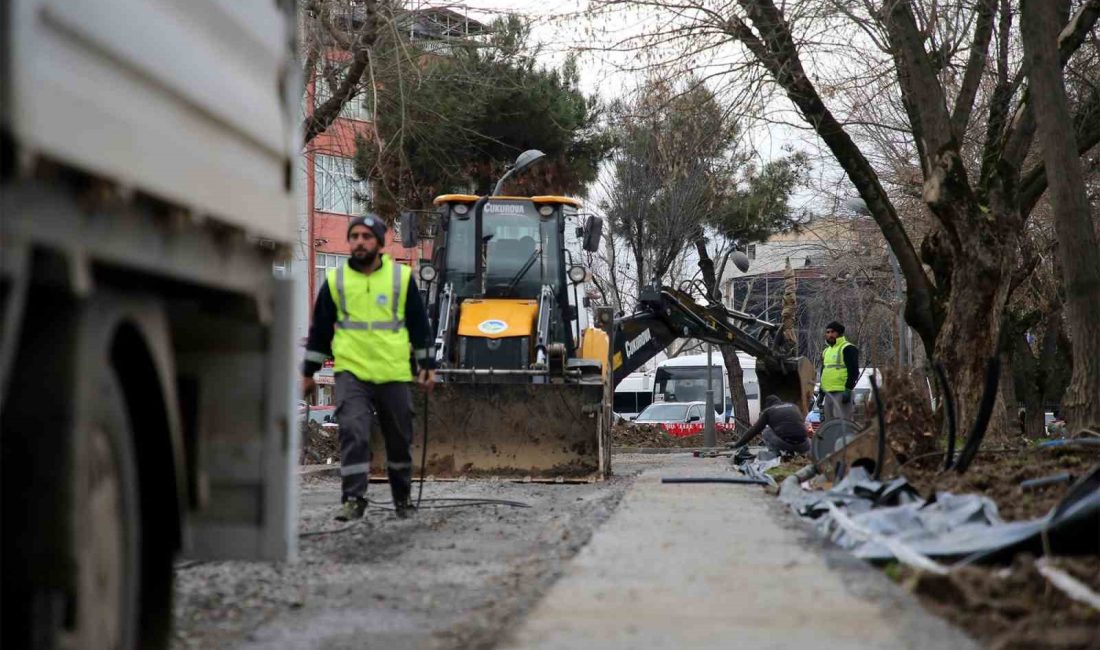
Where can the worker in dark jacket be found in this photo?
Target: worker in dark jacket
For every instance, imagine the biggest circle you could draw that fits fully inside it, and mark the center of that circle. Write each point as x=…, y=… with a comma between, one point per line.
x=839, y=374
x=369, y=318
x=782, y=426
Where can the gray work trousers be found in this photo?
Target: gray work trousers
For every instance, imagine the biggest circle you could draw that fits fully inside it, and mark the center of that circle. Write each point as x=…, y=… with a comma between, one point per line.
x=356, y=404
x=834, y=408
x=776, y=444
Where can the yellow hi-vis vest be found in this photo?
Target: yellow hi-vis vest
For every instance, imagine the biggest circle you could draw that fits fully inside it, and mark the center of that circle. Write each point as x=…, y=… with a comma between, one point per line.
x=834, y=374
x=371, y=341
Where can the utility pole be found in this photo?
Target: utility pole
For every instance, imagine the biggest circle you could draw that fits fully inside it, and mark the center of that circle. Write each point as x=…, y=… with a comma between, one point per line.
x=709, y=436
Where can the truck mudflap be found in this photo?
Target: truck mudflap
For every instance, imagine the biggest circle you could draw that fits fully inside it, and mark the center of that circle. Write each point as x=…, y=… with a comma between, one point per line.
x=520, y=431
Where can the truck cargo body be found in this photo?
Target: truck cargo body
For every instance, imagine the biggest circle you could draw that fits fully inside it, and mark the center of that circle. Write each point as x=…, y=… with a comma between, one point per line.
x=147, y=152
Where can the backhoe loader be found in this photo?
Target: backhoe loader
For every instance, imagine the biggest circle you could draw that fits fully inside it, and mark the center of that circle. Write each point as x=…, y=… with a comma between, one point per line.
x=522, y=389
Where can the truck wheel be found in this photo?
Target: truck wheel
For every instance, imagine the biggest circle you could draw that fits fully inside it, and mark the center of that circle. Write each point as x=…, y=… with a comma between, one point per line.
x=106, y=543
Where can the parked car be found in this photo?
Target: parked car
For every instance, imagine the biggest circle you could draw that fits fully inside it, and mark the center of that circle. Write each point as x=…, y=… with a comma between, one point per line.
x=672, y=413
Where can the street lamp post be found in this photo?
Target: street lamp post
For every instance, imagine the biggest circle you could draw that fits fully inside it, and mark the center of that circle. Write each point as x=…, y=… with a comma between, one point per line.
x=709, y=435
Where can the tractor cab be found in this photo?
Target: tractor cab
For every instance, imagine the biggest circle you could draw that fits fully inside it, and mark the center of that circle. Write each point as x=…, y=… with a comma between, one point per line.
x=501, y=283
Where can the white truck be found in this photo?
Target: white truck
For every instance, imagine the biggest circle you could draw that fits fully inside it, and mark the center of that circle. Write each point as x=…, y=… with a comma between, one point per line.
x=147, y=172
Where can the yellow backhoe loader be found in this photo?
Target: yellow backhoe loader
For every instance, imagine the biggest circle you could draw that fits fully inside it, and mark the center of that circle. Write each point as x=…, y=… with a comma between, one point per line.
x=523, y=390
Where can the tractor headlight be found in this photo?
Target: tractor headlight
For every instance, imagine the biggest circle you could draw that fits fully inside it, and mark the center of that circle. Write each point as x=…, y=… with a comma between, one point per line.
x=546, y=210
x=577, y=274
x=427, y=272
x=461, y=208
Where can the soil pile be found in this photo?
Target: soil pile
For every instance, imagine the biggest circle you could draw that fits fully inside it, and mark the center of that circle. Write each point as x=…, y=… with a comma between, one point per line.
x=1013, y=607
x=997, y=474
x=910, y=426
x=318, y=444
x=653, y=436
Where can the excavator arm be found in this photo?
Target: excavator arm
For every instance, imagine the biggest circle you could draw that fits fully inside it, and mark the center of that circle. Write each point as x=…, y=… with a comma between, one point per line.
x=666, y=314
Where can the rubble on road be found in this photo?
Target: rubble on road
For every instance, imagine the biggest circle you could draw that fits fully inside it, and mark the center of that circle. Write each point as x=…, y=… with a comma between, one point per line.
x=320, y=444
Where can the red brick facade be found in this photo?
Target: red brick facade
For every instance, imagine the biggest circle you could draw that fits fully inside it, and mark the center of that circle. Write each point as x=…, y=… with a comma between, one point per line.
x=327, y=231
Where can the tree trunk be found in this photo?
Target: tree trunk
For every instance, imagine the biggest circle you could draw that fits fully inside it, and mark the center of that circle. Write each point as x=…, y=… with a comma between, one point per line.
x=974, y=313
x=1007, y=409
x=736, y=378
x=1077, y=239
x=1027, y=369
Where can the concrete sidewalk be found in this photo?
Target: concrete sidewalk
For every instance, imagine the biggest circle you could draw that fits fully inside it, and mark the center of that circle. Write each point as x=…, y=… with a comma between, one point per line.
x=720, y=566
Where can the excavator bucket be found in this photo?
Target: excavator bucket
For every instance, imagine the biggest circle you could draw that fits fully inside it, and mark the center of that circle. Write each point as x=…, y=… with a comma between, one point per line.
x=545, y=432
x=792, y=380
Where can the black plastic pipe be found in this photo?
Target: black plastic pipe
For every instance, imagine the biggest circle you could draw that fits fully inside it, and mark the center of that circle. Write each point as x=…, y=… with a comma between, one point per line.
x=952, y=424
x=985, y=412
x=739, y=480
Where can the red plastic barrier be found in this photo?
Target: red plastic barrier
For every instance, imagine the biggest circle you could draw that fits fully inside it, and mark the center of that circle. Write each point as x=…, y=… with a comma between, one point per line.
x=692, y=428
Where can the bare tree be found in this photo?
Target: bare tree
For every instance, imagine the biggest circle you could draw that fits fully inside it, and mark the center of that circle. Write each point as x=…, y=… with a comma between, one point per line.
x=936, y=59
x=1076, y=234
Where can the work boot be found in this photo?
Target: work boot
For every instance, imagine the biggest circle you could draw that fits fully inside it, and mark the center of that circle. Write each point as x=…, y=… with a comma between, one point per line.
x=352, y=510
x=404, y=508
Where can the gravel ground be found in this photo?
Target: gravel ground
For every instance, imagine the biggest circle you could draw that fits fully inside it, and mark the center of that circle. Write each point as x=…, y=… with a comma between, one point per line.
x=448, y=578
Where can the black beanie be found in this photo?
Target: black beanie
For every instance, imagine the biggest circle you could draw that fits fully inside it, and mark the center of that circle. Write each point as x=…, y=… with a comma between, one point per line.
x=771, y=400
x=836, y=327
x=371, y=221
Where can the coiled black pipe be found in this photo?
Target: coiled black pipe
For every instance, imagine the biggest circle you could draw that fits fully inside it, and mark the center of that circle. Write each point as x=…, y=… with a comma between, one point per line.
x=981, y=422
x=952, y=424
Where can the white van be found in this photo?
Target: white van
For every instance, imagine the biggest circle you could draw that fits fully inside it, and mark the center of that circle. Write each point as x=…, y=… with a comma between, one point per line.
x=684, y=379
x=633, y=394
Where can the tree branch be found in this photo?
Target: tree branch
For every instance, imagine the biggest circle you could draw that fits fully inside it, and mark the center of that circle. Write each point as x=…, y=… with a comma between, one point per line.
x=975, y=66
x=1034, y=182
x=919, y=84
x=1071, y=37
x=323, y=116
x=776, y=51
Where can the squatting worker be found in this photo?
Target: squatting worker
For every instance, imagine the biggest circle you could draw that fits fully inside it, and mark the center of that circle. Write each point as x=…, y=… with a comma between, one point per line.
x=367, y=317
x=782, y=425
x=839, y=373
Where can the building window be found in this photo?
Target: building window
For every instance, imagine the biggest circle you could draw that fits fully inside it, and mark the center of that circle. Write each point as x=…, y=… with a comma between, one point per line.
x=323, y=262
x=751, y=251
x=336, y=189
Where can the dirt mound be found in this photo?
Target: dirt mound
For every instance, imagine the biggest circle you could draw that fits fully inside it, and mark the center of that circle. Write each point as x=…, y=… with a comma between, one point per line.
x=319, y=444
x=654, y=436
x=910, y=426
x=997, y=474
x=1015, y=607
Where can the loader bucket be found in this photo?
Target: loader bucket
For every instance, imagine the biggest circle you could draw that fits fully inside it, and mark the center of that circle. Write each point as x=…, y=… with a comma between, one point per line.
x=792, y=380
x=551, y=432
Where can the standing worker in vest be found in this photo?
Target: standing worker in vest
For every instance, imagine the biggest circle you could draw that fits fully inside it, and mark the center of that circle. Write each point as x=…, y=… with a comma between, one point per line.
x=369, y=317
x=839, y=373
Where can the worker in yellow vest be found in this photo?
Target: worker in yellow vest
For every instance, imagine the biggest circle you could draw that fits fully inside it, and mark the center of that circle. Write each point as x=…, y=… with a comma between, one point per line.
x=370, y=319
x=839, y=373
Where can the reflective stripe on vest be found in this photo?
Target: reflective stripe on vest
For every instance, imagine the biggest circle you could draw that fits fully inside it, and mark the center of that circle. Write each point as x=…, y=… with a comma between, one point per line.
x=371, y=341
x=834, y=374
x=391, y=325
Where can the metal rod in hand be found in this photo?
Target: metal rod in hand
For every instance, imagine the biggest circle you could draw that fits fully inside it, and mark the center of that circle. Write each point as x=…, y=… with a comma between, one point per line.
x=423, y=453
